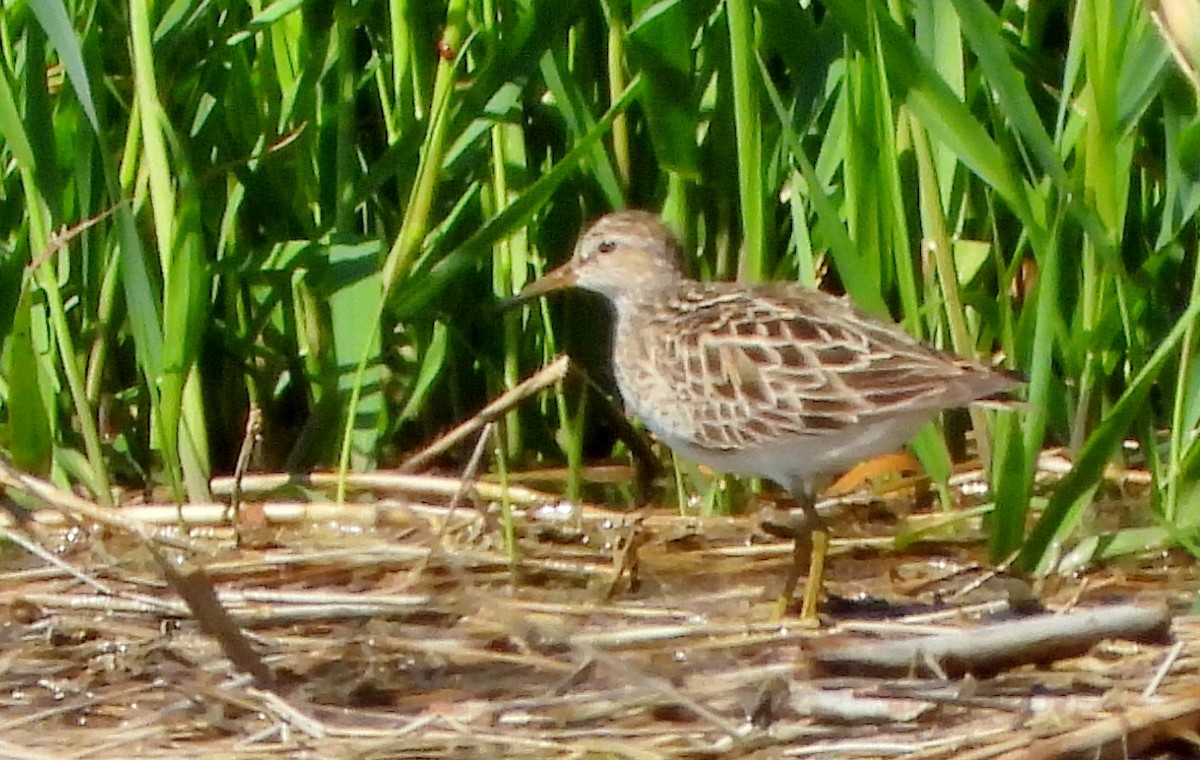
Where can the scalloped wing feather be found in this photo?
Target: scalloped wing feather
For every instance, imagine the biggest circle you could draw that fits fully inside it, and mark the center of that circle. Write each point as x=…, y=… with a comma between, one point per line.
x=733, y=367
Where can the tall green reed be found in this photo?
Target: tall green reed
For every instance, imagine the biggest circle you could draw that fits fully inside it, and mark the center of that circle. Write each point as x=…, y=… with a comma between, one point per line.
x=315, y=209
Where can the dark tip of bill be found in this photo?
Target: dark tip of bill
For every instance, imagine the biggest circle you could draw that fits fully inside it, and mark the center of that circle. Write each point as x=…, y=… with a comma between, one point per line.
x=504, y=304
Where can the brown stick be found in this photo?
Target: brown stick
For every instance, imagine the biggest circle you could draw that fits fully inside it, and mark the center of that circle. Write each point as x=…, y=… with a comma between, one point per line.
x=544, y=378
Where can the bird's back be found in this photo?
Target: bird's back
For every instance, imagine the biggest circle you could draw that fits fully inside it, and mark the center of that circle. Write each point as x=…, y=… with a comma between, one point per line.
x=729, y=373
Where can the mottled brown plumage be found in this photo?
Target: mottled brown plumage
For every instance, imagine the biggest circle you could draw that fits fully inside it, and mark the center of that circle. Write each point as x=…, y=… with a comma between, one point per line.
x=772, y=380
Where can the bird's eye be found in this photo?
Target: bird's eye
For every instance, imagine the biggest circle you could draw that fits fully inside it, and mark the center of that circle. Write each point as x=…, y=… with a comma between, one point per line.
x=606, y=246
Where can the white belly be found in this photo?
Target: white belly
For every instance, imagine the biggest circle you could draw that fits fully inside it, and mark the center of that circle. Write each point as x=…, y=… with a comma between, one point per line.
x=794, y=461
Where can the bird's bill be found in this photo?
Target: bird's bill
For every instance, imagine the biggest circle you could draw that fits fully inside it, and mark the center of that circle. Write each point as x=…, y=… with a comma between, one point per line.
x=563, y=277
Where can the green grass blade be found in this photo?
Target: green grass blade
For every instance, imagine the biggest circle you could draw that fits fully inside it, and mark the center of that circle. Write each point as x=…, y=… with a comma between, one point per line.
x=982, y=29
x=421, y=292
x=1073, y=493
x=660, y=47
x=52, y=16
x=917, y=84
x=751, y=191
x=855, y=276
x=580, y=122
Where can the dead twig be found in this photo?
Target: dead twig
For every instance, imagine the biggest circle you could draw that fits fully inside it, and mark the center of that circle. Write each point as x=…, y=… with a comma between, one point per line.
x=387, y=482
x=468, y=477
x=997, y=647
x=1128, y=733
x=191, y=583
x=543, y=378
x=250, y=440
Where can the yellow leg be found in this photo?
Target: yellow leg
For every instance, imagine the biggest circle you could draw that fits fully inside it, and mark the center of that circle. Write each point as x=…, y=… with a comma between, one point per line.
x=800, y=548
x=811, y=539
x=819, y=547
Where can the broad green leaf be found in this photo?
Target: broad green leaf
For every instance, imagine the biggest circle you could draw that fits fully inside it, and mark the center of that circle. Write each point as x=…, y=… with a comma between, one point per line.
x=30, y=431
x=353, y=287
x=52, y=16
x=660, y=47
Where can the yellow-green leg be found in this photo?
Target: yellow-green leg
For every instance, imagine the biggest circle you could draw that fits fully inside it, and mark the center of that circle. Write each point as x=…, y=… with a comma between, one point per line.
x=814, y=585
x=811, y=540
x=802, y=546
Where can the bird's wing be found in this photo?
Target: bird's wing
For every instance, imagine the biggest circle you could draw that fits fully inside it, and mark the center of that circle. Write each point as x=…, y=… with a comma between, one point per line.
x=782, y=361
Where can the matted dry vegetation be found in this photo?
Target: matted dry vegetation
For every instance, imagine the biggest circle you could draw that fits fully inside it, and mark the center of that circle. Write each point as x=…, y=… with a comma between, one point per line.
x=398, y=627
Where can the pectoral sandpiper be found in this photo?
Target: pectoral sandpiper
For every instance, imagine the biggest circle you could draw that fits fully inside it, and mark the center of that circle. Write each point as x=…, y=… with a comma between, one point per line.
x=772, y=380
